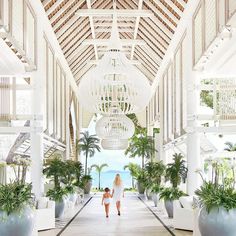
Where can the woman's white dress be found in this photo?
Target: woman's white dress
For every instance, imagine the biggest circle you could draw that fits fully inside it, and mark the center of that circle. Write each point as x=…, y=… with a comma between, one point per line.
x=118, y=192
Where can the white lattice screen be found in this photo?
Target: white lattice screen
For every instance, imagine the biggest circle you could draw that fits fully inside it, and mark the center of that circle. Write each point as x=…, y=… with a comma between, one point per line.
x=5, y=95
x=210, y=22
x=227, y=99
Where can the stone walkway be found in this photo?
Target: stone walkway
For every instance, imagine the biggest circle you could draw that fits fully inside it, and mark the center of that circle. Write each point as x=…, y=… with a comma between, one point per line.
x=135, y=220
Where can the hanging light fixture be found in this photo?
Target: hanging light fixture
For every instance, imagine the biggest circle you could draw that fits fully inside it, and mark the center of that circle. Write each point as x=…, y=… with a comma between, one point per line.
x=114, y=144
x=115, y=127
x=115, y=85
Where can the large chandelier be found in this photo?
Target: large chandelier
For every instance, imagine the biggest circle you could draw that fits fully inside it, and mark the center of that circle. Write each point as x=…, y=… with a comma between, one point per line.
x=115, y=85
x=115, y=127
x=114, y=144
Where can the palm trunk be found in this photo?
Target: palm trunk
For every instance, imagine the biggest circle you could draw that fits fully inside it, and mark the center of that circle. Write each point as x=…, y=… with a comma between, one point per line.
x=99, y=180
x=86, y=163
x=142, y=162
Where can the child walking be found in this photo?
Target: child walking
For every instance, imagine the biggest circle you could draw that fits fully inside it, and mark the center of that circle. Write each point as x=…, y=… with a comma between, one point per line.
x=106, y=199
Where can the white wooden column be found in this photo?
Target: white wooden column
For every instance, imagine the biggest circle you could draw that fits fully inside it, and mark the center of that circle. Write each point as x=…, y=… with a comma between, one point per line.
x=36, y=135
x=193, y=138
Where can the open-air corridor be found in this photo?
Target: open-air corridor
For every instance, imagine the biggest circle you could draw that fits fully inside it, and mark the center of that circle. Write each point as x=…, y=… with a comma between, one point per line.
x=135, y=220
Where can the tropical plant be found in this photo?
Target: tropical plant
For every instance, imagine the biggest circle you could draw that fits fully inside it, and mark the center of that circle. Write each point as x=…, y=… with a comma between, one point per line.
x=219, y=191
x=157, y=188
x=216, y=196
x=88, y=145
x=230, y=147
x=54, y=169
x=133, y=169
x=78, y=173
x=141, y=146
x=155, y=171
x=15, y=196
x=176, y=171
x=57, y=194
x=85, y=179
x=99, y=168
x=170, y=194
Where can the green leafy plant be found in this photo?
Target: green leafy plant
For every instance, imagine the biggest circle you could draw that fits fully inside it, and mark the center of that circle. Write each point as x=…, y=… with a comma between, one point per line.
x=156, y=188
x=54, y=169
x=88, y=145
x=216, y=196
x=57, y=194
x=15, y=196
x=133, y=169
x=176, y=171
x=219, y=191
x=84, y=180
x=155, y=171
x=141, y=146
x=230, y=147
x=170, y=194
x=99, y=169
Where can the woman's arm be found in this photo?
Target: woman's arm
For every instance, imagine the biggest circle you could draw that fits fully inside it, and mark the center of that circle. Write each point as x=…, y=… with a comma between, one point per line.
x=102, y=199
x=112, y=193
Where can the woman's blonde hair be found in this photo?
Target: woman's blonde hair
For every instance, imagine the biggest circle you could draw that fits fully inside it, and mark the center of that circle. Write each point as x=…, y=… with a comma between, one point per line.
x=117, y=180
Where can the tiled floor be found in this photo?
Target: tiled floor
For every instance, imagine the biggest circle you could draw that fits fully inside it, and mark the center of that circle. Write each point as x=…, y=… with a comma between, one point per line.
x=136, y=219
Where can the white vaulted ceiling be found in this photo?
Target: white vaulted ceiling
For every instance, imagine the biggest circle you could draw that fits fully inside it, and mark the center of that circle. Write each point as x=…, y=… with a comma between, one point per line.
x=146, y=28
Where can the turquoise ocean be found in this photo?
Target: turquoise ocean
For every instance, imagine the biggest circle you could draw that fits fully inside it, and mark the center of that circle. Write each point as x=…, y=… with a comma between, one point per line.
x=107, y=178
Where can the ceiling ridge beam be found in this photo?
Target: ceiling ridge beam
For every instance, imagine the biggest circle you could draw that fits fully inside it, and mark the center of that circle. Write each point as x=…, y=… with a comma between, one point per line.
x=92, y=28
x=110, y=12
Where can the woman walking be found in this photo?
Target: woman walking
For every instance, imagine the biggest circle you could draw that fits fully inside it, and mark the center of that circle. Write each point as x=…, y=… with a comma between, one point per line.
x=117, y=192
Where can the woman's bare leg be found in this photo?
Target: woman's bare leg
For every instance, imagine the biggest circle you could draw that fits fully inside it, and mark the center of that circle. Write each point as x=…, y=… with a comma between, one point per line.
x=118, y=207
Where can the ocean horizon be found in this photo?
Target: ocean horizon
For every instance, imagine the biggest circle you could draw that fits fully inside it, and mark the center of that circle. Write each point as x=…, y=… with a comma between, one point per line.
x=107, y=178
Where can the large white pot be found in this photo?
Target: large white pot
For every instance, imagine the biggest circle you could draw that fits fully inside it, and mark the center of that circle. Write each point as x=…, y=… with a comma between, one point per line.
x=218, y=222
x=17, y=223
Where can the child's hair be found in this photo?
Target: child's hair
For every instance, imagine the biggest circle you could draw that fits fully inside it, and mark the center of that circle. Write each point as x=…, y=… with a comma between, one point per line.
x=107, y=190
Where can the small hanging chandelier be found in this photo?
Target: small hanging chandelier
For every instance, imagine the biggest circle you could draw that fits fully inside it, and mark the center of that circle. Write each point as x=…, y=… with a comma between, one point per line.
x=115, y=85
x=115, y=127
x=114, y=144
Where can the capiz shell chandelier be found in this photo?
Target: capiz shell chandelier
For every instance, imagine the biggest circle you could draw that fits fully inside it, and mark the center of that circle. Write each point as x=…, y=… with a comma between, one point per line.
x=115, y=127
x=114, y=144
x=115, y=85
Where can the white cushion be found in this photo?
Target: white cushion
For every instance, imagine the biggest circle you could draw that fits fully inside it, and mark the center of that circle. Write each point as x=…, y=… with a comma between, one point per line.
x=42, y=203
x=186, y=202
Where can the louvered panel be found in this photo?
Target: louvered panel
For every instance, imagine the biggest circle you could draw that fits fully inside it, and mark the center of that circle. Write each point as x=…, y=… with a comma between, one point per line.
x=30, y=35
x=232, y=7
x=17, y=19
x=177, y=68
x=227, y=99
x=198, y=35
x=210, y=21
x=5, y=98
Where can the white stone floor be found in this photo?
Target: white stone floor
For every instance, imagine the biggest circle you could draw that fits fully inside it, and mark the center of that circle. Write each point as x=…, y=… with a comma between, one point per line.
x=135, y=220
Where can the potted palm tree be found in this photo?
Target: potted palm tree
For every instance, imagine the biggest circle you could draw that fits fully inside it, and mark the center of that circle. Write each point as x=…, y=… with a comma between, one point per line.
x=141, y=146
x=99, y=169
x=175, y=173
x=16, y=209
x=88, y=145
x=218, y=201
x=155, y=171
x=55, y=170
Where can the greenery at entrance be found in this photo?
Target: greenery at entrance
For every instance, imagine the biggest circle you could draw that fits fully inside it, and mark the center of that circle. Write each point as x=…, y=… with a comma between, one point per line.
x=88, y=145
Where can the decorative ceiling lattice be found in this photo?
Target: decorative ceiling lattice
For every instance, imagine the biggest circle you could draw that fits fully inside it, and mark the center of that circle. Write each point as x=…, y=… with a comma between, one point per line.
x=146, y=28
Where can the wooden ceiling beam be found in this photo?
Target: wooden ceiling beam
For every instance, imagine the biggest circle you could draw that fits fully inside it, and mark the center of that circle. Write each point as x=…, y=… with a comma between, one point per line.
x=59, y=21
x=174, y=7
x=73, y=37
x=54, y=7
x=74, y=47
x=92, y=29
x=72, y=24
x=167, y=11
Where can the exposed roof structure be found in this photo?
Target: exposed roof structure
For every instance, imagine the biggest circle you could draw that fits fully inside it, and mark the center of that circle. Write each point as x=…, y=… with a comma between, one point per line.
x=82, y=28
